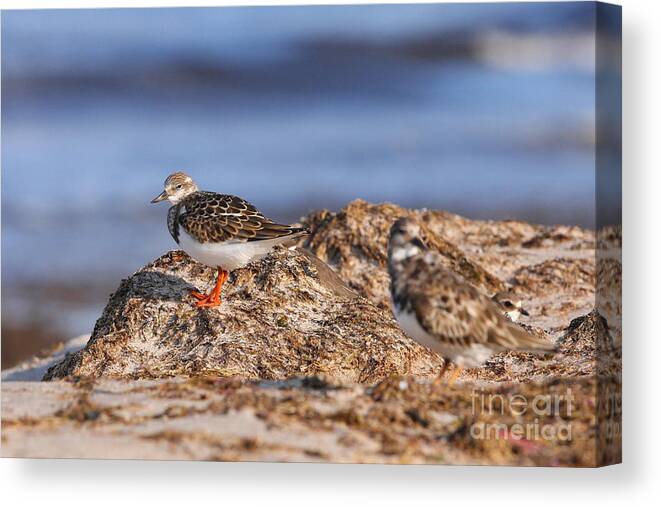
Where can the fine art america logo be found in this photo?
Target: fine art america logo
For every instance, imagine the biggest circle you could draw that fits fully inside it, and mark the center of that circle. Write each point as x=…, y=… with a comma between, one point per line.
x=531, y=416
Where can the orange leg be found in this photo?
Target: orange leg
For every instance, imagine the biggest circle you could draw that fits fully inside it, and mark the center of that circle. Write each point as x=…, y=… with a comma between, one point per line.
x=213, y=298
x=456, y=371
x=439, y=378
x=455, y=375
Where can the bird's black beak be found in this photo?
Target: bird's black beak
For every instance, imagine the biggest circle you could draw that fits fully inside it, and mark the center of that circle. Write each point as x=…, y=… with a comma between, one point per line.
x=160, y=197
x=524, y=312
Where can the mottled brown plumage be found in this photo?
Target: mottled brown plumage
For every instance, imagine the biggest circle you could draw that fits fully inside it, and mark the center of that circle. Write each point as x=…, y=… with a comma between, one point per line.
x=214, y=218
x=439, y=309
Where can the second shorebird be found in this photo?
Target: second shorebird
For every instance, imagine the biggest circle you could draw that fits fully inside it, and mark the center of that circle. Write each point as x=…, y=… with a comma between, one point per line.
x=222, y=231
x=440, y=310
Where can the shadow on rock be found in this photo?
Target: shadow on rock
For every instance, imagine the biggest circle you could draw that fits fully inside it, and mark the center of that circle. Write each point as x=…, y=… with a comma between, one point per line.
x=158, y=286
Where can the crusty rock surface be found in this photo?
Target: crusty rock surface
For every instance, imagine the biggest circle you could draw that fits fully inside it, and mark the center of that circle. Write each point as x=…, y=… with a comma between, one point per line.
x=285, y=316
x=290, y=315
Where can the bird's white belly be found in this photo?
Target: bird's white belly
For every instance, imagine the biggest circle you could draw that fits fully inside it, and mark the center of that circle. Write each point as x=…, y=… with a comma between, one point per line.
x=229, y=255
x=469, y=357
x=409, y=323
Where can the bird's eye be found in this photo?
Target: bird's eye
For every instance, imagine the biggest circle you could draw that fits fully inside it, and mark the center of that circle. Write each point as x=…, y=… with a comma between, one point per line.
x=178, y=187
x=508, y=304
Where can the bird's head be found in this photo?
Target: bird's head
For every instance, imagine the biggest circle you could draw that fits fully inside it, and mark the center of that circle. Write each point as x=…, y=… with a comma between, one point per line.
x=177, y=186
x=511, y=305
x=406, y=240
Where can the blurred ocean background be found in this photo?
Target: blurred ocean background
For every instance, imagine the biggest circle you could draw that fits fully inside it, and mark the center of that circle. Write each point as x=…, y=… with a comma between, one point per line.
x=482, y=109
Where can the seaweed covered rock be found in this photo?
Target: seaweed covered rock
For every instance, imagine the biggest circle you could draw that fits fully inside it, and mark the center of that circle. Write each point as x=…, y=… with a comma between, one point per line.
x=291, y=315
x=287, y=315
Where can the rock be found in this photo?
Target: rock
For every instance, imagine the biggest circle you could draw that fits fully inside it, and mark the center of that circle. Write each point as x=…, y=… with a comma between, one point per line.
x=291, y=315
x=287, y=315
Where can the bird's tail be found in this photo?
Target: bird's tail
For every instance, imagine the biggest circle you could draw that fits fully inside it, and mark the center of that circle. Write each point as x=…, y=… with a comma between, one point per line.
x=280, y=231
x=527, y=342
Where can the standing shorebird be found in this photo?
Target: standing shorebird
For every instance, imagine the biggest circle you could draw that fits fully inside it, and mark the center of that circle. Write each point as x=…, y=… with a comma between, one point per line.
x=440, y=310
x=222, y=231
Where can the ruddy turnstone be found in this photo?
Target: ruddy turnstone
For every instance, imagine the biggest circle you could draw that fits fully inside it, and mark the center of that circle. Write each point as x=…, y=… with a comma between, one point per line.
x=438, y=309
x=510, y=305
x=222, y=231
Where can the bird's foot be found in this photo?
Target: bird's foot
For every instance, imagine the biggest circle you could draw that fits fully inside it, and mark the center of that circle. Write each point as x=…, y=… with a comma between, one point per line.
x=199, y=295
x=206, y=300
x=208, y=303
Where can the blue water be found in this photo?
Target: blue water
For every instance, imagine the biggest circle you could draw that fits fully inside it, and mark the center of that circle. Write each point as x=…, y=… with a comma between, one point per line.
x=292, y=108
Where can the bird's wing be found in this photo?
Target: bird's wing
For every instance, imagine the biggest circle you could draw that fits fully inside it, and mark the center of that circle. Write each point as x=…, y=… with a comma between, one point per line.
x=456, y=313
x=211, y=217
